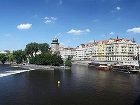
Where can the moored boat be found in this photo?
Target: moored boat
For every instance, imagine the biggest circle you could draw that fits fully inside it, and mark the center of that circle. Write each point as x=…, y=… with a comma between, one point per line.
x=126, y=66
x=103, y=68
x=99, y=66
x=93, y=64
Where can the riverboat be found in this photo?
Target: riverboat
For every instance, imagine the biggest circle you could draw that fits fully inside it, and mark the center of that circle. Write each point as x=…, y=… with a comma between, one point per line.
x=103, y=67
x=126, y=66
x=93, y=64
x=99, y=66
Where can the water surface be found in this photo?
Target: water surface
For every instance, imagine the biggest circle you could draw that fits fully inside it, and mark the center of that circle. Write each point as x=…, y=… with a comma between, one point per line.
x=80, y=86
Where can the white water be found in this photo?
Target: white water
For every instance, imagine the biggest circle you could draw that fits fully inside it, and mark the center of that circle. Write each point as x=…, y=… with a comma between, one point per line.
x=12, y=72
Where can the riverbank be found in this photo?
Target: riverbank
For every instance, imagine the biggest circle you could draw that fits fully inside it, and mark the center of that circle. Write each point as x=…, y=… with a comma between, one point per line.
x=40, y=67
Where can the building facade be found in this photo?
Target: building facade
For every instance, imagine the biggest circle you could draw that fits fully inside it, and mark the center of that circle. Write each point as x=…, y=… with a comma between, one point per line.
x=55, y=46
x=112, y=49
x=67, y=52
x=121, y=49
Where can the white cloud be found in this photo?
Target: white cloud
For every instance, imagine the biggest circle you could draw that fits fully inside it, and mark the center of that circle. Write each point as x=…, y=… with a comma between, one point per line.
x=118, y=8
x=24, y=26
x=111, y=33
x=54, y=18
x=134, y=30
x=87, y=30
x=78, y=32
x=50, y=19
x=46, y=18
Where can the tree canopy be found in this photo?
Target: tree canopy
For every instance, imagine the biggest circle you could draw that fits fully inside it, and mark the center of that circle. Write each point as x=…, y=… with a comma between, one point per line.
x=44, y=47
x=32, y=48
x=3, y=58
x=68, y=61
x=19, y=56
x=45, y=57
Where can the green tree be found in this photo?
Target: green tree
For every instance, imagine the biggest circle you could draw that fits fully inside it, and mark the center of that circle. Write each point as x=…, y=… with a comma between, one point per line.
x=56, y=60
x=68, y=61
x=47, y=59
x=32, y=48
x=44, y=47
x=10, y=57
x=3, y=58
x=41, y=59
x=19, y=56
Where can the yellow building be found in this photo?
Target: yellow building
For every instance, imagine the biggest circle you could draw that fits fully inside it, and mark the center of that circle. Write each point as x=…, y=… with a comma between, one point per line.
x=101, y=52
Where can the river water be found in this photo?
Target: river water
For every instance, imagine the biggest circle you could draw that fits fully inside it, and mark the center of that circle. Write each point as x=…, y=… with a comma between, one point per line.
x=78, y=86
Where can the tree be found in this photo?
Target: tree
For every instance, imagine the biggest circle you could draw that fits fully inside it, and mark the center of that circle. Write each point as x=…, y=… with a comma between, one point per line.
x=56, y=60
x=19, y=56
x=10, y=57
x=41, y=59
x=3, y=58
x=31, y=49
x=47, y=59
x=44, y=47
x=68, y=61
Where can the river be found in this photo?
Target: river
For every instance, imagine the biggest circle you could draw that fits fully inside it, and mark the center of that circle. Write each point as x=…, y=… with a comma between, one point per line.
x=78, y=86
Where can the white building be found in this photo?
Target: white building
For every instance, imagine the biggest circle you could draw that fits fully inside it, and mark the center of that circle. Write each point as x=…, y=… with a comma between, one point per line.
x=106, y=50
x=121, y=49
x=138, y=52
x=67, y=52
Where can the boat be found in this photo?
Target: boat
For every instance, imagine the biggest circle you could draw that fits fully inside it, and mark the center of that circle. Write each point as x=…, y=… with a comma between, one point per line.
x=99, y=66
x=103, y=67
x=93, y=64
x=126, y=66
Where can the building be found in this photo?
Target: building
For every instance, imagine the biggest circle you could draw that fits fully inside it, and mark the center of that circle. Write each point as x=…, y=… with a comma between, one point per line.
x=112, y=49
x=55, y=46
x=138, y=52
x=66, y=52
x=120, y=49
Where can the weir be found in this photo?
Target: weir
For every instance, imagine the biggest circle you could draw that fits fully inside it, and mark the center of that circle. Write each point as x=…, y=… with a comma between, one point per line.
x=12, y=72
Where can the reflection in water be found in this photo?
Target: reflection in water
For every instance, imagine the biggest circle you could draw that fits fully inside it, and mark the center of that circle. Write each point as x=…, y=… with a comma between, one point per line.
x=79, y=86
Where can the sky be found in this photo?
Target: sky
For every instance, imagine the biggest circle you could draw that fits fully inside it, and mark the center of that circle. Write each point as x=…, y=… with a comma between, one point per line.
x=73, y=22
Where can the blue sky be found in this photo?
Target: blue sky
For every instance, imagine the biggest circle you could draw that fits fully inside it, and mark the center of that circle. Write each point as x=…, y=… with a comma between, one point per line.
x=72, y=21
